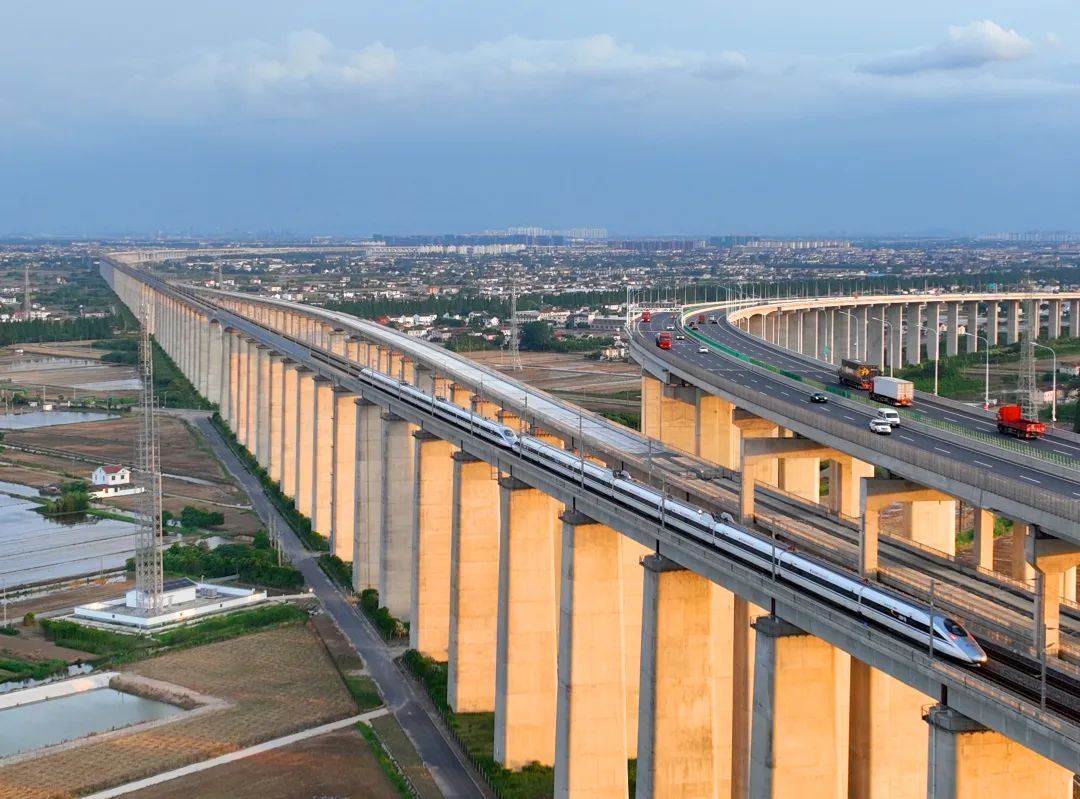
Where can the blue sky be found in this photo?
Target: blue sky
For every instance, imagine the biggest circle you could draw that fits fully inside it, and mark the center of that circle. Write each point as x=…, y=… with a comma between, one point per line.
x=649, y=117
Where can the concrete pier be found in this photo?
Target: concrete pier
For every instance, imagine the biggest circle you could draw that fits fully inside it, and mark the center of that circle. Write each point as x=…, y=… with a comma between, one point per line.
x=526, y=653
x=433, y=483
x=474, y=584
x=395, y=523
x=968, y=761
x=685, y=723
x=345, y=473
x=591, y=749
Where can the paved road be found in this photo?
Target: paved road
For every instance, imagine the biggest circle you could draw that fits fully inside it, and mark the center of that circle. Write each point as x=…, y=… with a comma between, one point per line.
x=971, y=418
x=453, y=777
x=844, y=411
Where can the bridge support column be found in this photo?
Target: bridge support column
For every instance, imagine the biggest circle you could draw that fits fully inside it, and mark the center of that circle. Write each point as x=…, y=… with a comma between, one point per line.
x=251, y=425
x=993, y=321
x=346, y=465
x=1057, y=560
x=932, y=523
x=591, y=748
x=717, y=438
x=971, y=316
x=206, y=362
x=429, y=616
x=669, y=414
x=368, y=558
x=933, y=327
x=895, y=316
x=1012, y=321
x=474, y=582
x=230, y=357
x=875, y=335
x=808, y=322
x=276, y=418
x=1021, y=569
x=262, y=437
x=395, y=572
x=685, y=726
x=1053, y=319
x=461, y=395
x=526, y=675
x=305, y=440
x=983, y=550
x=798, y=747
x=968, y=761
x=845, y=474
x=952, y=328
x=214, y=372
x=914, y=334
x=1074, y=318
x=290, y=426
x=885, y=758
x=322, y=484
x=240, y=400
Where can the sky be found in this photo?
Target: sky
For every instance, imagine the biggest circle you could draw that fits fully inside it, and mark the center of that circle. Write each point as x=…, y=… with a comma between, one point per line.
x=351, y=117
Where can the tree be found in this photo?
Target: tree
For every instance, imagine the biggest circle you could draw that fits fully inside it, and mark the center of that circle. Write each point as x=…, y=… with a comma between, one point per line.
x=536, y=337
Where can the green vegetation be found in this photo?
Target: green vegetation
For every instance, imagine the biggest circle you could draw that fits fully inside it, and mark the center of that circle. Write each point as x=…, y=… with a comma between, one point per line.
x=73, y=499
x=629, y=419
x=475, y=733
x=386, y=763
x=338, y=570
x=191, y=516
x=234, y=624
x=25, y=670
x=539, y=337
x=41, y=330
x=252, y=565
x=300, y=523
x=363, y=691
x=89, y=639
x=9, y=630
x=1002, y=527
x=170, y=385
x=386, y=624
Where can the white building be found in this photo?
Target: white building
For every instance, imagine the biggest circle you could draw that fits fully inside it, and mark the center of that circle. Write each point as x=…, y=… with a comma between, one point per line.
x=112, y=481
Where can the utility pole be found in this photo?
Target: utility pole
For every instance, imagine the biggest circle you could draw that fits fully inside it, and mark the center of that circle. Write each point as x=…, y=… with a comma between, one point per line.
x=149, y=568
x=515, y=349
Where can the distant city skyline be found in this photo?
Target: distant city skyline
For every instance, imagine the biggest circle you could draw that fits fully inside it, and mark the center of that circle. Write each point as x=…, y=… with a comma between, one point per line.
x=676, y=118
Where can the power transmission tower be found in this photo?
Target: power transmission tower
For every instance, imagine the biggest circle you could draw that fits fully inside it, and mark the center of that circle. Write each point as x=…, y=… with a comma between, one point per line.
x=148, y=558
x=1026, y=385
x=515, y=349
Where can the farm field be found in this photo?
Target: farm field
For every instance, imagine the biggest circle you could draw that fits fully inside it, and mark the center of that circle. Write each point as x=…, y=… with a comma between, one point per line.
x=278, y=682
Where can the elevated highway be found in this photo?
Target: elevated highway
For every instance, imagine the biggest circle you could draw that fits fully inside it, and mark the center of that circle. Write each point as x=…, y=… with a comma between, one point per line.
x=242, y=351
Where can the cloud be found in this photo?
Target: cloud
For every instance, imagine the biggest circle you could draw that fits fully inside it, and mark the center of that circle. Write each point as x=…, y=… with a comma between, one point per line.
x=967, y=47
x=308, y=61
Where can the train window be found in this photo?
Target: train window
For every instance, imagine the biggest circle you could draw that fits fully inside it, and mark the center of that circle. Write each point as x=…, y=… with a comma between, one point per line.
x=954, y=628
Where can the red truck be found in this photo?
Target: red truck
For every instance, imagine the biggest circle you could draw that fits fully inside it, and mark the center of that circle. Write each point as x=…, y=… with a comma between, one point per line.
x=1010, y=422
x=701, y=318
x=663, y=340
x=646, y=316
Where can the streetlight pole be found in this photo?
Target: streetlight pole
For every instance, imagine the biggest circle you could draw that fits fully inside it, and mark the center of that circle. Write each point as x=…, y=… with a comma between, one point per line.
x=1053, y=378
x=986, y=373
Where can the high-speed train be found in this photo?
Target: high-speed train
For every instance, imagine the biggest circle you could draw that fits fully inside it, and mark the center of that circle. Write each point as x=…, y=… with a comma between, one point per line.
x=876, y=605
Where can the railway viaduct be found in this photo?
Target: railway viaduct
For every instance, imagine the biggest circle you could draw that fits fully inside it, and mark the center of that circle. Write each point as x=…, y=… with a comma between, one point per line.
x=593, y=636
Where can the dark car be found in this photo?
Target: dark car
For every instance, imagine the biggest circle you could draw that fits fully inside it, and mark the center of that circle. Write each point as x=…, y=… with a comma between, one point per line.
x=817, y=396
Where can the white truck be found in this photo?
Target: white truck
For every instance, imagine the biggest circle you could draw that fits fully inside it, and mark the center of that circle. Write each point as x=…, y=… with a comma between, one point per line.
x=893, y=390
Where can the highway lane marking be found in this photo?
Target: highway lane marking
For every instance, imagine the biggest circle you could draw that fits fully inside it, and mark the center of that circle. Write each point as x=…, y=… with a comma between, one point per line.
x=852, y=418
x=907, y=438
x=1059, y=452
x=939, y=449
x=1032, y=479
x=987, y=465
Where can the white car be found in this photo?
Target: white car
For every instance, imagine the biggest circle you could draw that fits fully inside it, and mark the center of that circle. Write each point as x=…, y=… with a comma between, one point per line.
x=680, y=337
x=881, y=427
x=702, y=349
x=889, y=415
